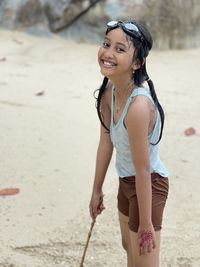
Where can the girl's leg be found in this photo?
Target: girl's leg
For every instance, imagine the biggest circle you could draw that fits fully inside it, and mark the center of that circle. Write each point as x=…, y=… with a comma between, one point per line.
x=148, y=260
x=126, y=241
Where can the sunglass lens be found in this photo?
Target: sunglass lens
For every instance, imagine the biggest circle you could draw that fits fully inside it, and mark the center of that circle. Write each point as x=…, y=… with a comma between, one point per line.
x=112, y=23
x=131, y=27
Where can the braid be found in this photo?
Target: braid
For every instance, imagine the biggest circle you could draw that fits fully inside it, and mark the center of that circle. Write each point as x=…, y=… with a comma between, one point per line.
x=160, y=109
x=140, y=75
x=155, y=99
x=101, y=91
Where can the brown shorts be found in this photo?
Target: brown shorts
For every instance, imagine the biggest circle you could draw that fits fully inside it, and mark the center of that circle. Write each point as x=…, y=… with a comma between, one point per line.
x=128, y=205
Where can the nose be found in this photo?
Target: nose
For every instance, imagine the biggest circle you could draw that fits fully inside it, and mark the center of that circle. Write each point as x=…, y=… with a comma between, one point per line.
x=109, y=53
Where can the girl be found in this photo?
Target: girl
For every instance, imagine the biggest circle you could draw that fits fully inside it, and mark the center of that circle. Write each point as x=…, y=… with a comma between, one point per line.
x=132, y=121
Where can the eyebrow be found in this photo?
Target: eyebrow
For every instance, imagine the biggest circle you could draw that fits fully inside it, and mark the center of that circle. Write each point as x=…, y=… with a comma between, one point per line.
x=106, y=38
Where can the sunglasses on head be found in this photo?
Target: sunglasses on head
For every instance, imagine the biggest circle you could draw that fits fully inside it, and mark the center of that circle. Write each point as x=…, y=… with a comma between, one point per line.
x=128, y=27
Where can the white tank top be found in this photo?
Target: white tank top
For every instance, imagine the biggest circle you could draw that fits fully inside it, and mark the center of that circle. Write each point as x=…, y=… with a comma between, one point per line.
x=119, y=137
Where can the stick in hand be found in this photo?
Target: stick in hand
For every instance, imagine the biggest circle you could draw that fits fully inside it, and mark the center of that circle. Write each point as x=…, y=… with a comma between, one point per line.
x=87, y=242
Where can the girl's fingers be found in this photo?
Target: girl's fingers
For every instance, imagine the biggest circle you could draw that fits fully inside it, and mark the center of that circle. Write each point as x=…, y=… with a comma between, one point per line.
x=92, y=212
x=96, y=207
x=90, y=209
x=145, y=248
x=149, y=247
x=140, y=250
x=102, y=207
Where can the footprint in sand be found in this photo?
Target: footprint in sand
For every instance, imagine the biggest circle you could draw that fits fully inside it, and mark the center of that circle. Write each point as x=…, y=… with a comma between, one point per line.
x=62, y=253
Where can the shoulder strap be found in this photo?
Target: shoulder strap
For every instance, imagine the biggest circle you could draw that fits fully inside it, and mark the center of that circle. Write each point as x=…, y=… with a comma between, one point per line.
x=145, y=92
x=142, y=91
x=136, y=92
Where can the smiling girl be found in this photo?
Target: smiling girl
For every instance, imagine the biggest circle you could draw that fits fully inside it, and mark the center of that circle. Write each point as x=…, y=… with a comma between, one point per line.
x=132, y=122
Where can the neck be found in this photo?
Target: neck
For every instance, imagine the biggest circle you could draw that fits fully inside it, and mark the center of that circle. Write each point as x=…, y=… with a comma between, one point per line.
x=122, y=87
x=123, y=83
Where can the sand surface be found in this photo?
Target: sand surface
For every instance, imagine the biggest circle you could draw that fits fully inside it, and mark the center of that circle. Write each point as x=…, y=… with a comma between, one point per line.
x=48, y=146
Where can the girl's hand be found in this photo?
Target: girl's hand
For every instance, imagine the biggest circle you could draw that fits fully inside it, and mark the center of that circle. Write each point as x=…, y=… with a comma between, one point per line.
x=96, y=205
x=146, y=239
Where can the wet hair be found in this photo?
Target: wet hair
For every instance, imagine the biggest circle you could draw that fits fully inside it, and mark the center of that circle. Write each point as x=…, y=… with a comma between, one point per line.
x=142, y=47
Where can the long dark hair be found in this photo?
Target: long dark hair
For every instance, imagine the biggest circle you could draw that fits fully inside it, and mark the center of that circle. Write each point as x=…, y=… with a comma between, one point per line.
x=142, y=48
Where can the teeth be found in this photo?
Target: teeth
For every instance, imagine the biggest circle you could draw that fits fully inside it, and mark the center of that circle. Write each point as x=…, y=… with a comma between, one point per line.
x=108, y=63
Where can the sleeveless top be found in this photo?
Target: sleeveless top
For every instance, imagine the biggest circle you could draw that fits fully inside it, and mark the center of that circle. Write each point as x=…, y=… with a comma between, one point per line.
x=119, y=137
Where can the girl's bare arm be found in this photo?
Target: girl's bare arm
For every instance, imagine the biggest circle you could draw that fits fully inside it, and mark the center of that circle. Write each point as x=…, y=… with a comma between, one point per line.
x=104, y=154
x=138, y=120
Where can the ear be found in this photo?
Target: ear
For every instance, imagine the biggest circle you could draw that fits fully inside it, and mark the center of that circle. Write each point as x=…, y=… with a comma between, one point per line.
x=137, y=64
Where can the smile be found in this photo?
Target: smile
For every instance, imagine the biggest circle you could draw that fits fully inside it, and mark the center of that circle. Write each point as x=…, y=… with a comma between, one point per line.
x=108, y=64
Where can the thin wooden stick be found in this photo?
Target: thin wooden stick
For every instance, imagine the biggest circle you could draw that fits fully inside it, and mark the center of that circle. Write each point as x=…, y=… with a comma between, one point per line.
x=87, y=242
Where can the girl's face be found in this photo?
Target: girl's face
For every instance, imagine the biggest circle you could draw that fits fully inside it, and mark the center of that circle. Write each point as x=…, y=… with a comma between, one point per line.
x=115, y=56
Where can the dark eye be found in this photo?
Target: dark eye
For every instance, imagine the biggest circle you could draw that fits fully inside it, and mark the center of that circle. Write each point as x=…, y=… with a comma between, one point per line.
x=105, y=44
x=120, y=49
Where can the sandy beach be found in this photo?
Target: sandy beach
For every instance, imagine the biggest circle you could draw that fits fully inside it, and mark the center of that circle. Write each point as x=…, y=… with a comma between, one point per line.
x=49, y=134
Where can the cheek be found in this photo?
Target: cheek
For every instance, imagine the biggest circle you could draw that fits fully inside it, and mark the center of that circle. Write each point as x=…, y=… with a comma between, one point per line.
x=130, y=60
x=100, y=52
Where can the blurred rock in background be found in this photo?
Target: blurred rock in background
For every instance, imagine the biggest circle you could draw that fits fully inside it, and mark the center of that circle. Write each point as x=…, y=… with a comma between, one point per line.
x=22, y=14
x=174, y=24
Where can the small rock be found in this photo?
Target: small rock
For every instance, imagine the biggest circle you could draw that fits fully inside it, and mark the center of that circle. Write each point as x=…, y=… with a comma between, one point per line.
x=190, y=131
x=3, y=59
x=40, y=93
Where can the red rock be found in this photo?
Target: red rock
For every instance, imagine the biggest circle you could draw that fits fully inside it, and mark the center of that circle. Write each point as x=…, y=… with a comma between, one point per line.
x=190, y=131
x=9, y=191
